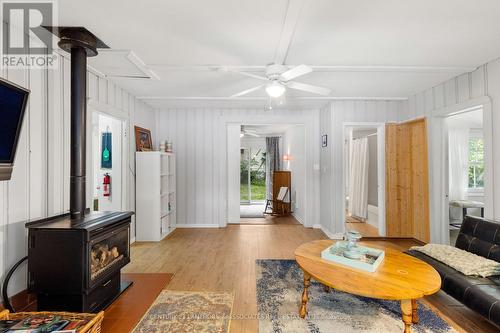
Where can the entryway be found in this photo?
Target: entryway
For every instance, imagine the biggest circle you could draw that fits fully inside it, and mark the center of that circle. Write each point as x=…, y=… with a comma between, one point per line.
x=263, y=150
x=252, y=172
x=466, y=167
x=363, y=175
x=108, y=158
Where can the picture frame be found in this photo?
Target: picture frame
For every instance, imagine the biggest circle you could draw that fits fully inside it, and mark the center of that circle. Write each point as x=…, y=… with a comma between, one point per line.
x=324, y=140
x=143, y=140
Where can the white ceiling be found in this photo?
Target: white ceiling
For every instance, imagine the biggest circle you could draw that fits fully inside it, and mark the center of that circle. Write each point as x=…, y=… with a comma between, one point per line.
x=379, y=49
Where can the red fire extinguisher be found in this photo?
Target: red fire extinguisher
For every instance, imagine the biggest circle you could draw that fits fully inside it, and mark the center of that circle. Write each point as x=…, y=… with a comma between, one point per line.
x=106, y=185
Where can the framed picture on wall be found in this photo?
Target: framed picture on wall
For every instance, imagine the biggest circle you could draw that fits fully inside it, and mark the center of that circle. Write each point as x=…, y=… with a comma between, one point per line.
x=143, y=140
x=324, y=140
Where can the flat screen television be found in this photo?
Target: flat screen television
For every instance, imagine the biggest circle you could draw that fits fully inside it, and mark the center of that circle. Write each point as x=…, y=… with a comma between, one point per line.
x=13, y=100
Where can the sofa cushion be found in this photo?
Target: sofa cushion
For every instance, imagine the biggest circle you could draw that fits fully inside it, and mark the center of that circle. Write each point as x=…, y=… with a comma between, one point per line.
x=480, y=236
x=484, y=299
x=454, y=283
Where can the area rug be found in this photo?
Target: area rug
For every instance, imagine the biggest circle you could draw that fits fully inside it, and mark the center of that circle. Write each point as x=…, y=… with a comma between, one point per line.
x=186, y=311
x=279, y=289
x=252, y=211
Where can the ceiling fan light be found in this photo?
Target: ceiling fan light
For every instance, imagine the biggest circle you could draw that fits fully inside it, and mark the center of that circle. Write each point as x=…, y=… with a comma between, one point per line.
x=275, y=89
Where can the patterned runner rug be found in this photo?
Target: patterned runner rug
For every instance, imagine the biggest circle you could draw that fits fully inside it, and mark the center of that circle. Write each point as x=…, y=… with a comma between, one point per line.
x=186, y=311
x=279, y=289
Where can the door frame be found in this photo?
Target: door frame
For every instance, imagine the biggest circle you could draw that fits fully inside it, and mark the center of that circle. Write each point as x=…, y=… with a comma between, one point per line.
x=93, y=110
x=439, y=165
x=311, y=164
x=380, y=126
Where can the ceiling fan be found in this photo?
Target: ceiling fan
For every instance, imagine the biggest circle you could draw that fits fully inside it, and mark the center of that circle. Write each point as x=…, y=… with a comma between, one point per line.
x=245, y=131
x=278, y=78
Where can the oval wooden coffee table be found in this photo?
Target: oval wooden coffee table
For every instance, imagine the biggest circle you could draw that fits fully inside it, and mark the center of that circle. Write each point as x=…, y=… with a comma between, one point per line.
x=399, y=277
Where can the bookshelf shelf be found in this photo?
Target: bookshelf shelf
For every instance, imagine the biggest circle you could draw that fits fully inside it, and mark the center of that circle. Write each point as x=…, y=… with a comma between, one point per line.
x=155, y=195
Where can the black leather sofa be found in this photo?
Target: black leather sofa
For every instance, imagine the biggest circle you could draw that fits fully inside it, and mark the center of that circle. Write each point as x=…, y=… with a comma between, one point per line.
x=481, y=237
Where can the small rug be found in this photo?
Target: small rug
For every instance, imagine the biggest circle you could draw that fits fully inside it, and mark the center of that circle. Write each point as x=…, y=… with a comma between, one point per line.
x=279, y=289
x=185, y=311
x=252, y=211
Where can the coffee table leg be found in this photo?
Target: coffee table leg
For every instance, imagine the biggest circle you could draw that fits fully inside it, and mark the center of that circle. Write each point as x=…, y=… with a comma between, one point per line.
x=326, y=288
x=305, y=295
x=407, y=313
x=414, y=311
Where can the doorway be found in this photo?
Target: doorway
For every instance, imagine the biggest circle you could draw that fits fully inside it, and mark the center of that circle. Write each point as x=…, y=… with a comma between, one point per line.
x=466, y=167
x=252, y=160
x=252, y=177
x=364, y=169
x=108, y=158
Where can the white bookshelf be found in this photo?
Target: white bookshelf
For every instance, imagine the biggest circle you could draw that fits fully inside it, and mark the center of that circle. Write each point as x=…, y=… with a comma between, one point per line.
x=155, y=195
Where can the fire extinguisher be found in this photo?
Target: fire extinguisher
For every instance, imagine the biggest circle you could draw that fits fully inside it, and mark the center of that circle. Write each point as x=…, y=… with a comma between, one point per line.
x=106, y=185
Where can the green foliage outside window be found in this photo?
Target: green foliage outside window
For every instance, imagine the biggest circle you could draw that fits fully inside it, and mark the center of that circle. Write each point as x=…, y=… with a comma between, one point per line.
x=476, y=163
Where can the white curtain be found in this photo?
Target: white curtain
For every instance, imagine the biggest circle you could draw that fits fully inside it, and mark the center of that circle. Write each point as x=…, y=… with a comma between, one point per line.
x=458, y=159
x=358, y=178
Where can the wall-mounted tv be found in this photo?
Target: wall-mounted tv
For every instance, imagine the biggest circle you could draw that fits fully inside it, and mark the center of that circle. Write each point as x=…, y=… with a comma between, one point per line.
x=13, y=100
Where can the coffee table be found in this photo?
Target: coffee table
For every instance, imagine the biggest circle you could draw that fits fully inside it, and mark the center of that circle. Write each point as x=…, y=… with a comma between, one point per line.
x=399, y=277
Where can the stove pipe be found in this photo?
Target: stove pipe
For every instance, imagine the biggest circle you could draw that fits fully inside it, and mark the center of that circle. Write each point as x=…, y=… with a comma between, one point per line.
x=81, y=44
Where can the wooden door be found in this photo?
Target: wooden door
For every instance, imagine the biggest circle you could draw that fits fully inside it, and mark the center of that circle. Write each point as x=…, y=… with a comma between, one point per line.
x=407, y=180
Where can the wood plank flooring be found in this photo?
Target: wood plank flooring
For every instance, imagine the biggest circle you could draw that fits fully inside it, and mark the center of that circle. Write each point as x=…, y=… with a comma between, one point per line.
x=224, y=260
x=268, y=219
x=128, y=309
x=365, y=229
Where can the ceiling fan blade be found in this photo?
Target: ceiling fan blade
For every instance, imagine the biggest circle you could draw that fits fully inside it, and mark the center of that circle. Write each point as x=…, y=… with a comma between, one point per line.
x=295, y=72
x=258, y=77
x=309, y=88
x=252, y=134
x=244, y=92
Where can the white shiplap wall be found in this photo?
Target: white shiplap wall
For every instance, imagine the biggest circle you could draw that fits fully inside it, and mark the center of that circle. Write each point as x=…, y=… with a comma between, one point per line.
x=199, y=138
x=40, y=182
x=332, y=119
x=479, y=87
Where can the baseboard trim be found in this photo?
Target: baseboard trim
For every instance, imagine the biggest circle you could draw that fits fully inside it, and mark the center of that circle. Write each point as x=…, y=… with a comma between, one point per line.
x=197, y=226
x=331, y=235
x=298, y=219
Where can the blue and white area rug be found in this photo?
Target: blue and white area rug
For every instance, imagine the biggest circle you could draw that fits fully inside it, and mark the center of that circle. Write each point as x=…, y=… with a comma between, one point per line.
x=279, y=289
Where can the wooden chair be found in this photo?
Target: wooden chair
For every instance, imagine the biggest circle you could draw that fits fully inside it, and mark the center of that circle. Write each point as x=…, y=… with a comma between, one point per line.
x=278, y=206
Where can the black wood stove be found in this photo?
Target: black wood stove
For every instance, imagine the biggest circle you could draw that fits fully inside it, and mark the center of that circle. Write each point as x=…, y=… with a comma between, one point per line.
x=74, y=260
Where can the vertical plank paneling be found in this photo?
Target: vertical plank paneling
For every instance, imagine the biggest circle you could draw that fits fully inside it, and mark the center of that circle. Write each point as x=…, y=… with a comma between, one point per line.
x=477, y=82
x=37, y=144
x=450, y=96
x=439, y=96
x=103, y=90
x=463, y=92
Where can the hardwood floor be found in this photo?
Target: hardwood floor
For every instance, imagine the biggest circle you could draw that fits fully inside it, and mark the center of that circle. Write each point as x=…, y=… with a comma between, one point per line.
x=271, y=220
x=224, y=260
x=128, y=309
x=365, y=229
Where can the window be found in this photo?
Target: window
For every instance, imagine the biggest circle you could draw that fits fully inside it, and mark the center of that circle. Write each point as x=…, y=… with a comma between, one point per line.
x=476, y=162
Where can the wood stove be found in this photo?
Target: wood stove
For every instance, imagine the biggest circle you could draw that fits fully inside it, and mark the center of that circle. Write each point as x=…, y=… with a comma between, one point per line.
x=74, y=260
x=75, y=265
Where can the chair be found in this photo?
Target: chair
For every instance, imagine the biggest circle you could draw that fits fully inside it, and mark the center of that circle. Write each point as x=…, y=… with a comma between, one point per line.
x=278, y=206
